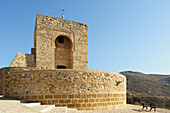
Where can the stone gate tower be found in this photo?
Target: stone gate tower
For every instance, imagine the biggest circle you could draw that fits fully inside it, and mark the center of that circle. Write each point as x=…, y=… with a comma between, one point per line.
x=58, y=44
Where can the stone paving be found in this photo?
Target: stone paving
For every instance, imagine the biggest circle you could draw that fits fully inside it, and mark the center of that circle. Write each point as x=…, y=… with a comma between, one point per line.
x=129, y=109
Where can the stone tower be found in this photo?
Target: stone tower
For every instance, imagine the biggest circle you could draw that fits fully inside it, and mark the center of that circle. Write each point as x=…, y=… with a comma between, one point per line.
x=58, y=44
x=56, y=72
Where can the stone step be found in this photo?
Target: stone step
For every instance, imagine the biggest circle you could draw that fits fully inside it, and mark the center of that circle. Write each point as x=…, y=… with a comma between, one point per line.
x=37, y=107
x=69, y=110
x=31, y=104
x=58, y=110
x=41, y=108
x=1, y=111
x=8, y=106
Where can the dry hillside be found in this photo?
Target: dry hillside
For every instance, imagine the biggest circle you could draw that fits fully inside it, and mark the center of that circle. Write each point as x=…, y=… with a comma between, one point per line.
x=149, y=88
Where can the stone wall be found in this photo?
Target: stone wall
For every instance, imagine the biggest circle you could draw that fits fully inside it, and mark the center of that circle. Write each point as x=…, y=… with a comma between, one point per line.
x=2, y=85
x=47, y=29
x=23, y=60
x=7, y=70
x=84, y=90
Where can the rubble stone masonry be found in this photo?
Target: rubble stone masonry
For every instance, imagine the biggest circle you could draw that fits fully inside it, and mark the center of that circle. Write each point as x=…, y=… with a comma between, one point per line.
x=23, y=60
x=84, y=90
x=49, y=53
x=47, y=30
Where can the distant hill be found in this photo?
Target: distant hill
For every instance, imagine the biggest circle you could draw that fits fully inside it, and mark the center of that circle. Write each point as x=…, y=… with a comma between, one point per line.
x=148, y=88
x=143, y=85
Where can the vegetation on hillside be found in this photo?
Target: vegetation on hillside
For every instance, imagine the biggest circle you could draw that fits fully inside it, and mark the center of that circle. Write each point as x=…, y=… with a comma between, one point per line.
x=148, y=88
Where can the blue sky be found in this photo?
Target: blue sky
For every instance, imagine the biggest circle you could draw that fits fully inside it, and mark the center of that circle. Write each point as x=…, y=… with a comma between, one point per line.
x=123, y=34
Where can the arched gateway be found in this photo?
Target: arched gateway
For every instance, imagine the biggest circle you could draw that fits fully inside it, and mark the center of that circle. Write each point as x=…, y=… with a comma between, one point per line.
x=63, y=53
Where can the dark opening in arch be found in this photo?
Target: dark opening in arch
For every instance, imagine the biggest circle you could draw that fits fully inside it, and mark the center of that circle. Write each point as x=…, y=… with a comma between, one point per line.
x=61, y=67
x=61, y=39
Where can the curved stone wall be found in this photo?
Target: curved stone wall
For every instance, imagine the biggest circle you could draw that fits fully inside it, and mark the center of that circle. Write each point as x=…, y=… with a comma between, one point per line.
x=81, y=89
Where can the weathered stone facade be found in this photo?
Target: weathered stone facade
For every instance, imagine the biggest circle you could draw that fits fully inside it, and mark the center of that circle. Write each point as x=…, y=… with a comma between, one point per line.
x=58, y=42
x=23, y=60
x=84, y=90
x=56, y=71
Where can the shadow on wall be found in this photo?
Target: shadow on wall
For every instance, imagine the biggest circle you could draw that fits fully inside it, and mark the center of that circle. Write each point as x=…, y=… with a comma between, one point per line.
x=1, y=85
x=30, y=60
